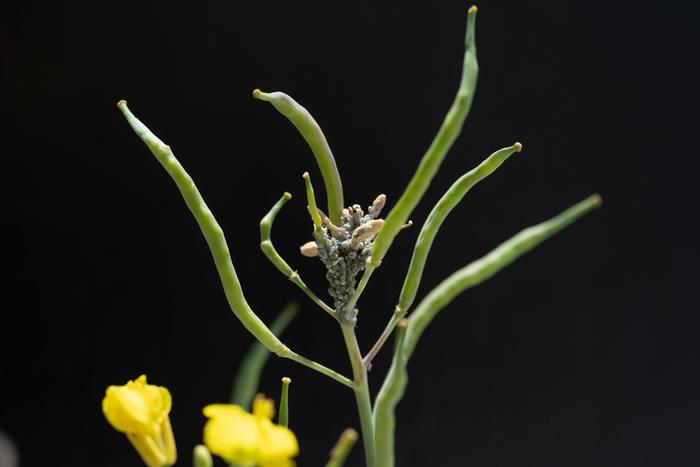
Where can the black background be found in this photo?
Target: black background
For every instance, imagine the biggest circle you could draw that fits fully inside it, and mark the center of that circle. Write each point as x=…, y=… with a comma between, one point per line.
x=583, y=353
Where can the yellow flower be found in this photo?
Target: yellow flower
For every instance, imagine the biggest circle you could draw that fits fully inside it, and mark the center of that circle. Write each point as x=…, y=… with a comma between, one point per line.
x=249, y=439
x=140, y=410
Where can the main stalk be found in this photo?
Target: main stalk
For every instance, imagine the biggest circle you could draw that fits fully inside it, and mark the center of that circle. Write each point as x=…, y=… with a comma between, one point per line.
x=364, y=403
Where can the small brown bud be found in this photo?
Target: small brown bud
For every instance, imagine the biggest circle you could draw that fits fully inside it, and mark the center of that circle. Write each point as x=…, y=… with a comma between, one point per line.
x=337, y=232
x=377, y=205
x=367, y=230
x=309, y=249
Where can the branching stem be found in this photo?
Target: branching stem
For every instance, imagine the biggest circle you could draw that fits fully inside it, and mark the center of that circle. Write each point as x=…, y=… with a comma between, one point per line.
x=395, y=318
x=362, y=396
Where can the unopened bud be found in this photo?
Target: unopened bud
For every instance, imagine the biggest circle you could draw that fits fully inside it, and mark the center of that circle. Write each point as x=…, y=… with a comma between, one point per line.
x=337, y=232
x=309, y=249
x=367, y=230
x=377, y=205
x=202, y=456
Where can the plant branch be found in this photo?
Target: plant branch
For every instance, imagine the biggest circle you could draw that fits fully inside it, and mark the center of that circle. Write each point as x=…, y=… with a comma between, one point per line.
x=358, y=291
x=362, y=396
x=389, y=396
x=398, y=315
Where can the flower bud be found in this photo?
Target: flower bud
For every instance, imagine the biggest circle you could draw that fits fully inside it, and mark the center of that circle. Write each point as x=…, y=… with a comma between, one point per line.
x=367, y=230
x=377, y=205
x=309, y=249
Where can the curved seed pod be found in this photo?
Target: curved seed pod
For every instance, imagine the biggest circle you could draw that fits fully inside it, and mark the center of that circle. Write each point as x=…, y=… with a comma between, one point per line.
x=271, y=253
x=216, y=241
x=430, y=163
x=471, y=275
x=482, y=269
x=438, y=215
x=314, y=137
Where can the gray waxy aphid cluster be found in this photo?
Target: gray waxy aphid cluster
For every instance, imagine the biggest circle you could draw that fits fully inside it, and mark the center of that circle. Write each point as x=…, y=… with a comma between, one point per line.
x=344, y=251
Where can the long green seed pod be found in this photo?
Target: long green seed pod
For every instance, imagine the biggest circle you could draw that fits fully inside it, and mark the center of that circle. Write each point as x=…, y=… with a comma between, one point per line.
x=484, y=268
x=271, y=253
x=437, y=216
x=216, y=240
x=247, y=381
x=430, y=163
x=389, y=395
x=314, y=137
x=473, y=274
x=283, y=418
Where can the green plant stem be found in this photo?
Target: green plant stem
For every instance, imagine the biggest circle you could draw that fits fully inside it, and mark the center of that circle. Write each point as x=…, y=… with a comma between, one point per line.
x=320, y=368
x=362, y=396
x=395, y=318
x=218, y=247
x=433, y=157
x=389, y=396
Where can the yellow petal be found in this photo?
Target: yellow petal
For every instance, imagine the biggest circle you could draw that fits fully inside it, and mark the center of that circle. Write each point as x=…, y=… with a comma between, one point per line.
x=148, y=449
x=247, y=439
x=136, y=407
x=276, y=442
x=168, y=441
x=231, y=433
x=141, y=411
x=262, y=407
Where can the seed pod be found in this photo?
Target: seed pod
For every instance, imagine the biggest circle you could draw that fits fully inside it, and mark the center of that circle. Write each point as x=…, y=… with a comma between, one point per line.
x=309, y=249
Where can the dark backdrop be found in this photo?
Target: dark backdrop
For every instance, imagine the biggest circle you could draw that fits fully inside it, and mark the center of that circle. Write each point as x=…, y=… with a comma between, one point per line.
x=584, y=353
